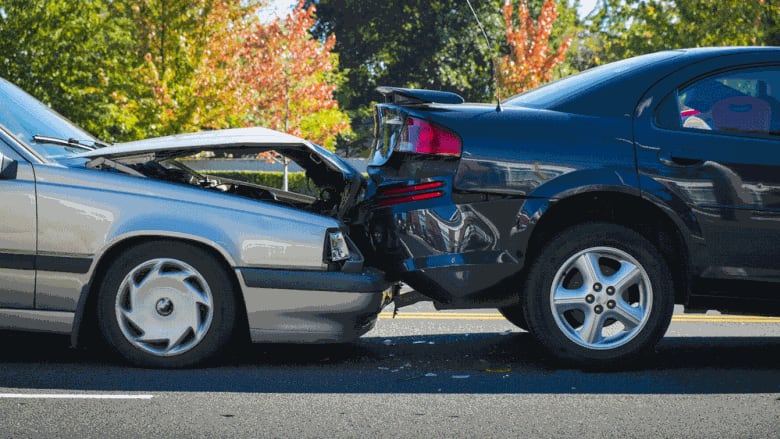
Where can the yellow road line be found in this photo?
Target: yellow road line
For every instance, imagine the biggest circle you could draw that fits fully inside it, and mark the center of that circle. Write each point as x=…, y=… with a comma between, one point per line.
x=686, y=318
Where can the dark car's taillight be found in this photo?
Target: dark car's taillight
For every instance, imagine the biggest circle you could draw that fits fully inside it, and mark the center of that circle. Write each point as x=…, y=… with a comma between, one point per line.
x=422, y=137
x=388, y=196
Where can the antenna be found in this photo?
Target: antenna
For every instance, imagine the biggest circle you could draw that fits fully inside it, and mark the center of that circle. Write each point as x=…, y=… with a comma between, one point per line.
x=492, y=58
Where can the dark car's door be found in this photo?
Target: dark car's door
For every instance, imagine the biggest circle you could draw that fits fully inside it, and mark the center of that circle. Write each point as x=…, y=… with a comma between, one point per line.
x=17, y=232
x=712, y=144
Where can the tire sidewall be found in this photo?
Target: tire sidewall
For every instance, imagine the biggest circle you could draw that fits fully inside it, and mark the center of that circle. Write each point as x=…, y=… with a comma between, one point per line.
x=539, y=313
x=223, y=320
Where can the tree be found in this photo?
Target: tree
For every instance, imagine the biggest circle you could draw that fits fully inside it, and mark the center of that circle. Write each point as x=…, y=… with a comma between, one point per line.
x=529, y=63
x=291, y=78
x=173, y=38
x=73, y=57
x=624, y=28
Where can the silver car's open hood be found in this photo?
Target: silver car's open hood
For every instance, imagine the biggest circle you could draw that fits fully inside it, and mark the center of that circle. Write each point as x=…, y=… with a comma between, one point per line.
x=183, y=144
x=325, y=168
x=236, y=140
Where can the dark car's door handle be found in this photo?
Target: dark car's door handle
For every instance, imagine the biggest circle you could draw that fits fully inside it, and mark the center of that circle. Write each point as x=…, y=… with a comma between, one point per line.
x=670, y=159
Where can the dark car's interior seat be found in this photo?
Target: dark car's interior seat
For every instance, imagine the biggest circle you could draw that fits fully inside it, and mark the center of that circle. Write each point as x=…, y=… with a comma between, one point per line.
x=742, y=113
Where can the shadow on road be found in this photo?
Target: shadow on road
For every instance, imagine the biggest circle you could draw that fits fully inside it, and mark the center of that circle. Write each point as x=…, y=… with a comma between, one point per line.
x=455, y=363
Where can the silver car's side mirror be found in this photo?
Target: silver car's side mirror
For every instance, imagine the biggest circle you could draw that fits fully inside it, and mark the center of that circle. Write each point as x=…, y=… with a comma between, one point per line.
x=8, y=168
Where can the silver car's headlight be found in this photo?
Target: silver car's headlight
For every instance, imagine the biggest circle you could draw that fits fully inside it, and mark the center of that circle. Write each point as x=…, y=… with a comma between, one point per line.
x=337, y=246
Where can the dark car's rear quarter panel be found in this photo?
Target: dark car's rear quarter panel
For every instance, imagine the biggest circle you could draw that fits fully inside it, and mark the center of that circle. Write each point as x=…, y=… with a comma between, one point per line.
x=470, y=246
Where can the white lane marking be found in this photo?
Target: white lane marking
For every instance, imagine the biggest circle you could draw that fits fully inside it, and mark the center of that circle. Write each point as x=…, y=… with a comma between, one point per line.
x=71, y=396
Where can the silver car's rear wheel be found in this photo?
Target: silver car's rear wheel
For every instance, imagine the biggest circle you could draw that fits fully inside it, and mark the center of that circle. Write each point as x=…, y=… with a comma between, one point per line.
x=164, y=307
x=167, y=304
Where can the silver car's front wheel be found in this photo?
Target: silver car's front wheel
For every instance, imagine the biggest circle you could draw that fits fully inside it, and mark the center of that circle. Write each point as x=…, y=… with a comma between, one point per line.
x=167, y=304
x=164, y=307
x=598, y=294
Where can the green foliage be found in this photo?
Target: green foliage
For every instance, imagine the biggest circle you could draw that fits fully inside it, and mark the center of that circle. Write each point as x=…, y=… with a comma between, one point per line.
x=72, y=55
x=625, y=28
x=130, y=69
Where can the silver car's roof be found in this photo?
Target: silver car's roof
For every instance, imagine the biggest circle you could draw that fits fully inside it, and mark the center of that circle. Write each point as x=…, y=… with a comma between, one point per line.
x=181, y=144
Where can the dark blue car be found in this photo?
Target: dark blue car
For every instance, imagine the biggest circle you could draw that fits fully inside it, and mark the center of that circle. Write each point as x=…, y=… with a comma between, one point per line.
x=585, y=209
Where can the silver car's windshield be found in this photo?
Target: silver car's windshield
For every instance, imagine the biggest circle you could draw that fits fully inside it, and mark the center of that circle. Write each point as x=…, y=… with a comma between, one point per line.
x=25, y=117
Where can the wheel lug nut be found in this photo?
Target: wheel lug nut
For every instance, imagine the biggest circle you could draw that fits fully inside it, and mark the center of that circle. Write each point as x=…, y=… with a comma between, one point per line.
x=610, y=290
x=599, y=309
x=597, y=287
x=590, y=298
x=611, y=304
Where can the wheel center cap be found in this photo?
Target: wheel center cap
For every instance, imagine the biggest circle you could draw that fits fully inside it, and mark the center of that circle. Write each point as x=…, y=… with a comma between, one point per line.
x=164, y=307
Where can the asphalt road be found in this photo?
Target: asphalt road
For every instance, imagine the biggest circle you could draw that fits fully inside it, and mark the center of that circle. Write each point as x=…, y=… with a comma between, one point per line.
x=424, y=374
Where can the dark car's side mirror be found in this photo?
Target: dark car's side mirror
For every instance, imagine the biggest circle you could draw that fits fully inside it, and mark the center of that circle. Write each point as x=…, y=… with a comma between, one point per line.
x=8, y=168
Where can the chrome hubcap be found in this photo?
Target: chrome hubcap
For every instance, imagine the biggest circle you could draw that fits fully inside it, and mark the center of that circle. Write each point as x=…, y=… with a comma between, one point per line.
x=164, y=307
x=601, y=298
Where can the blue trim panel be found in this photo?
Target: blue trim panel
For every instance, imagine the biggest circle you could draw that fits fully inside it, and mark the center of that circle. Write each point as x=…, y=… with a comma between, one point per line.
x=369, y=281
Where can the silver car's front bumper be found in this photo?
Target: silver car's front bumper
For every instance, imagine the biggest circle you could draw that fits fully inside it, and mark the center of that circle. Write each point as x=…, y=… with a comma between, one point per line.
x=292, y=306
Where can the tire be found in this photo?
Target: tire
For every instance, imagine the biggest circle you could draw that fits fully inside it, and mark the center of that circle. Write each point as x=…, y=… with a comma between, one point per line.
x=599, y=295
x=167, y=304
x=516, y=315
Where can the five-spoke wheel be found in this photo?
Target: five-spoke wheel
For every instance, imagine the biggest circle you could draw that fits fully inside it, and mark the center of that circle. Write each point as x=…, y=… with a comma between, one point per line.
x=598, y=293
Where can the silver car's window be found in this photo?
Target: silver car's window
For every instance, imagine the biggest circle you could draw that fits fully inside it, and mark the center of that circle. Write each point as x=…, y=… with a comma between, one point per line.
x=24, y=117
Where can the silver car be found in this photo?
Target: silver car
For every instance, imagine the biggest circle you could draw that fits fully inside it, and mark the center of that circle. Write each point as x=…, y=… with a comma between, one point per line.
x=167, y=264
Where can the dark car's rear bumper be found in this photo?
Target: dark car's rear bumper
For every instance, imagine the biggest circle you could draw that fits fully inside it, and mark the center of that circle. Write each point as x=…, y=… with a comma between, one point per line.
x=292, y=306
x=454, y=253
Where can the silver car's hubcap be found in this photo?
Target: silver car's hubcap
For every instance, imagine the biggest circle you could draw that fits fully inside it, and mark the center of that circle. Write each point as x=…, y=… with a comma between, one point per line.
x=164, y=307
x=601, y=298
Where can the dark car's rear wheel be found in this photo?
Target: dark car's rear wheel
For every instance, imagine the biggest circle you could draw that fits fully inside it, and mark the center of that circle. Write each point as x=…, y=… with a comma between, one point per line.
x=166, y=304
x=599, y=294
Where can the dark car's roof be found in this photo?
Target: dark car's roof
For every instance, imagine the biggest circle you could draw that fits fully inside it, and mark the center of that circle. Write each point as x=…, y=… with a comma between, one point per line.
x=613, y=89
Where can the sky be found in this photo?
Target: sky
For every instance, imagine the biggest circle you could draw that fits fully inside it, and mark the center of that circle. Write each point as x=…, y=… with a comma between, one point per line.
x=279, y=8
x=586, y=6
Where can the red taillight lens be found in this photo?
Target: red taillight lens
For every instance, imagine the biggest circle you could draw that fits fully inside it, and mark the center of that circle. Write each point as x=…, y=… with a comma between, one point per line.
x=405, y=194
x=409, y=198
x=421, y=137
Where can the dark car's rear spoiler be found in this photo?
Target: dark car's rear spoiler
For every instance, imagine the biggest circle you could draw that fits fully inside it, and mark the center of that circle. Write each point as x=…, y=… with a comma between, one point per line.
x=409, y=96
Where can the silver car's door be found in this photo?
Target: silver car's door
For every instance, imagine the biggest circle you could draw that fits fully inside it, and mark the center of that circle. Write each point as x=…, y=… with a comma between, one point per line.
x=17, y=230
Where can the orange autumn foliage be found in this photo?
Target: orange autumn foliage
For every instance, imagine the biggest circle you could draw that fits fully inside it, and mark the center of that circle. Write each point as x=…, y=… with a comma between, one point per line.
x=273, y=75
x=529, y=63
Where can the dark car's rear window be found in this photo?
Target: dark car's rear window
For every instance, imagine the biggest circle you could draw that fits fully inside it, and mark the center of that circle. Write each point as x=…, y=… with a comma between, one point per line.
x=556, y=92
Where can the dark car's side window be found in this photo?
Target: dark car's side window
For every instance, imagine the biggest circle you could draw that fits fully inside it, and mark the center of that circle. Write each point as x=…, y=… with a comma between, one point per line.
x=740, y=101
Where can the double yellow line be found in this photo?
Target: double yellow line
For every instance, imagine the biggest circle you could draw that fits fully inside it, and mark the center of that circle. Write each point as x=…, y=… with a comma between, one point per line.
x=682, y=318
